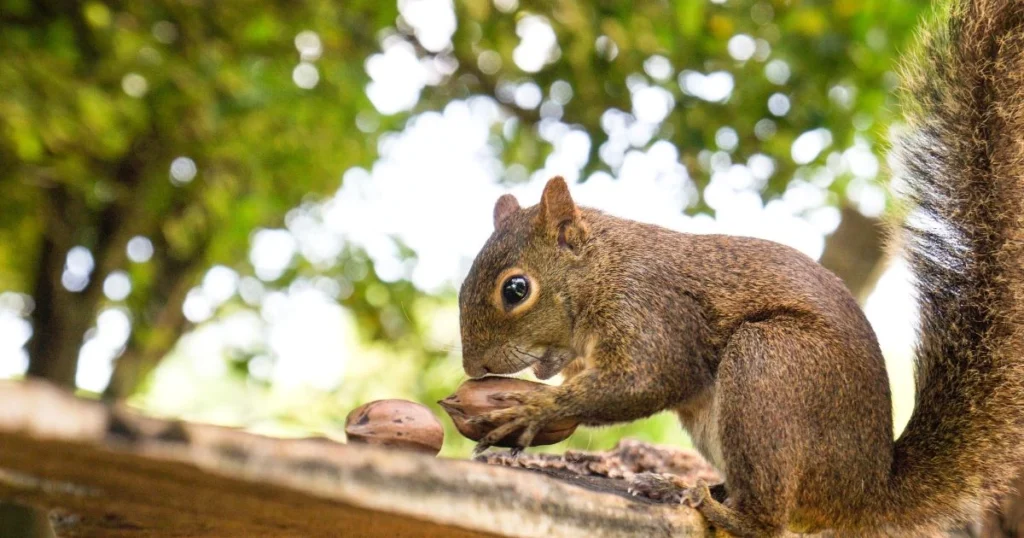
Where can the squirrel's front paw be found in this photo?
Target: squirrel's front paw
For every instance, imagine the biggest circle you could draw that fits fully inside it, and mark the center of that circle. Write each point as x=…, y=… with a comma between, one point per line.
x=530, y=417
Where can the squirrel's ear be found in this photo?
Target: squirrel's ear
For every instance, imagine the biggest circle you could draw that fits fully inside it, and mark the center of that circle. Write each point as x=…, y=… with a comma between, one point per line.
x=503, y=209
x=560, y=215
x=556, y=205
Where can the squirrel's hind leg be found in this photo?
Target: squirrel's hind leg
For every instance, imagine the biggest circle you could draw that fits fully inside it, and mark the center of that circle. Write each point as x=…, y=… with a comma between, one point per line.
x=725, y=520
x=758, y=425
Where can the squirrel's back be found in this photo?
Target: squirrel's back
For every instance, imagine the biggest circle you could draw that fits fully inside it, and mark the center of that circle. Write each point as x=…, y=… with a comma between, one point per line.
x=736, y=278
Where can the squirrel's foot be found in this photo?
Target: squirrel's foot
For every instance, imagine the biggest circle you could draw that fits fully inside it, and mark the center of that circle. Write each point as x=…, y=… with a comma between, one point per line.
x=658, y=487
x=670, y=488
x=727, y=521
x=696, y=496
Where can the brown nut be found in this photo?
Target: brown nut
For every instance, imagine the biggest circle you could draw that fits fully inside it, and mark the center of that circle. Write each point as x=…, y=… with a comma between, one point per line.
x=473, y=398
x=395, y=423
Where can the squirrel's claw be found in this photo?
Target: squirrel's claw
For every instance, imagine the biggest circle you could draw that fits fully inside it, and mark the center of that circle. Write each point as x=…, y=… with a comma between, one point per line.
x=517, y=397
x=494, y=417
x=526, y=438
x=524, y=420
x=529, y=419
x=480, y=420
x=480, y=448
x=501, y=432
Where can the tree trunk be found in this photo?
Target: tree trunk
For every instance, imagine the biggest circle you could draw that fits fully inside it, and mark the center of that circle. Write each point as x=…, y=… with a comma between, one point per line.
x=143, y=354
x=61, y=317
x=855, y=252
x=57, y=329
x=162, y=322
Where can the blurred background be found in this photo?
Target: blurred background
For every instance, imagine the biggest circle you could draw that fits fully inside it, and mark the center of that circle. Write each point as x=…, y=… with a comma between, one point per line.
x=258, y=213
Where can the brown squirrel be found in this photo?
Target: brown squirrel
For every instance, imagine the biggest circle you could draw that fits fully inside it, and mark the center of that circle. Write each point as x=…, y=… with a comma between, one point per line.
x=764, y=355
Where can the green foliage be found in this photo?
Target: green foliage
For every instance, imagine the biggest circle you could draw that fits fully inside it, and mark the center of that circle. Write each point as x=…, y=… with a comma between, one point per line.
x=100, y=100
x=839, y=57
x=90, y=93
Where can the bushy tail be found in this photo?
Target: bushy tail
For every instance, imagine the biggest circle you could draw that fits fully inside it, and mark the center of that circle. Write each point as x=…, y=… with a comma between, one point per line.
x=962, y=163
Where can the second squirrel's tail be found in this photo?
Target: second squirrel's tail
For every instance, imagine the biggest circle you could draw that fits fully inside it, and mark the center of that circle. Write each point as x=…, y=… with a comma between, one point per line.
x=962, y=162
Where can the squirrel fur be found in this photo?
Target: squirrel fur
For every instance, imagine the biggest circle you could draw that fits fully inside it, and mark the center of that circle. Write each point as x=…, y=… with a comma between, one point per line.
x=765, y=356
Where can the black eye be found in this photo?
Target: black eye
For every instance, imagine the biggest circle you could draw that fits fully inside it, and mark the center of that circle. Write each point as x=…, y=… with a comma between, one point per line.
x=515, y=289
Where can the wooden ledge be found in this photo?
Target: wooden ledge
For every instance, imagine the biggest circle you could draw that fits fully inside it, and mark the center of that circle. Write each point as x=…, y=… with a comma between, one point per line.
x=460, y=493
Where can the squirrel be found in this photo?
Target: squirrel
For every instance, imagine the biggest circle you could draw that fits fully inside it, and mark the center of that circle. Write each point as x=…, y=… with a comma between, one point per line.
x=769, y=362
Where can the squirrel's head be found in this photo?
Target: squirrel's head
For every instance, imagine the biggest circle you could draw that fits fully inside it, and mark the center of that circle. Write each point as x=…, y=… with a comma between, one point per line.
x=514, y=306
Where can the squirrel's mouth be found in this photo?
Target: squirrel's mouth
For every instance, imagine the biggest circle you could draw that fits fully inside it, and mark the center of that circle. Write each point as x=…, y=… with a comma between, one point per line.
x=545, y=361
x=551, y=362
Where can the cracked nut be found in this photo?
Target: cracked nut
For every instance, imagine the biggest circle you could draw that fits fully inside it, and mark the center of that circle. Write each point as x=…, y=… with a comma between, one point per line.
x=395, y=423
x=473, y=398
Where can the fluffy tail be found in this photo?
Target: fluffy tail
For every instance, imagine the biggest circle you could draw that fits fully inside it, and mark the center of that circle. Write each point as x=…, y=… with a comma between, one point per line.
x=963, y=167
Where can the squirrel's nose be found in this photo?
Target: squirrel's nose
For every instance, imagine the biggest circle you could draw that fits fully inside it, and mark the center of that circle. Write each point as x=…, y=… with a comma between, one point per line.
x=477, y=371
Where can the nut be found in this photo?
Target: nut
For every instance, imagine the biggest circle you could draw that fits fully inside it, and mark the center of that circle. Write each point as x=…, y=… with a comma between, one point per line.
x=473, y=398
x=395, y=423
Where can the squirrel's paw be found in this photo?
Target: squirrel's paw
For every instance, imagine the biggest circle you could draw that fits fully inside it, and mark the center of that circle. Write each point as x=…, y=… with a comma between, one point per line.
x=657, y=487
x=528, y=418
x=697, y=495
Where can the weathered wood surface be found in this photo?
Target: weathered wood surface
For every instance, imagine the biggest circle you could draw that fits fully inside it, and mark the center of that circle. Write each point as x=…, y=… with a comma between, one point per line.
x=306, y=487
x=83, y=491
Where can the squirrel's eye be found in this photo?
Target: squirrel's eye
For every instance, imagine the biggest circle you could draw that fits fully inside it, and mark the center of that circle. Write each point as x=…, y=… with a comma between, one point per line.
x=515, y=289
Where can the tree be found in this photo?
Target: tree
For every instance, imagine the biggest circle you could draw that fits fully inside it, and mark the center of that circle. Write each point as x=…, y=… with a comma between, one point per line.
x=183, y=127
